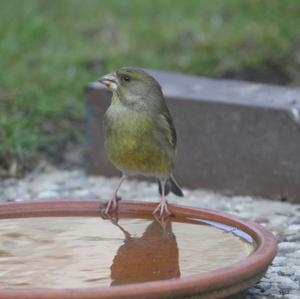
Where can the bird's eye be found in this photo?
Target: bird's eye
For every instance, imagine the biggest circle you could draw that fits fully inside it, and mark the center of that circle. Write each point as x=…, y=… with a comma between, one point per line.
x=126, y=78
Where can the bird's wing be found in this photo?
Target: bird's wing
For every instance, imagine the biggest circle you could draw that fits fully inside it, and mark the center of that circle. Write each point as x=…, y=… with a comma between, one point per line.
x=169, y=128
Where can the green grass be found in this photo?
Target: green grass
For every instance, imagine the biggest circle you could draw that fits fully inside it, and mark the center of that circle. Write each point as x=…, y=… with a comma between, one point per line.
x=50, y=49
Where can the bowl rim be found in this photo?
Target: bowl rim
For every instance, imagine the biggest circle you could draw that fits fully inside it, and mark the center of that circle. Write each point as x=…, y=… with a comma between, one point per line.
x=243, y=273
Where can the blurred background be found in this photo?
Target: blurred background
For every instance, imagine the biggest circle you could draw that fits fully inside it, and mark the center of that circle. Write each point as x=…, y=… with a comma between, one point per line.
x=49, y=50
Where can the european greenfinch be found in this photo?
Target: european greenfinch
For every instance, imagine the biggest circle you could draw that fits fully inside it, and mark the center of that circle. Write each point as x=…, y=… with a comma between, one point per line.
x=140, y=137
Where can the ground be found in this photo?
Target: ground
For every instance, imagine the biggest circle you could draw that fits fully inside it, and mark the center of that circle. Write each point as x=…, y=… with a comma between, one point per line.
x=283, y=277
x=51, y=49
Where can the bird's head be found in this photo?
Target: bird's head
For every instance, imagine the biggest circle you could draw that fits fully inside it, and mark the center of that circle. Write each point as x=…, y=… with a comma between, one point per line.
x=132, y=85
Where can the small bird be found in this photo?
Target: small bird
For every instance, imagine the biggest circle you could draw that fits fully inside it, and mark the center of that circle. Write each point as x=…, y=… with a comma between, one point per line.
x=139, y=134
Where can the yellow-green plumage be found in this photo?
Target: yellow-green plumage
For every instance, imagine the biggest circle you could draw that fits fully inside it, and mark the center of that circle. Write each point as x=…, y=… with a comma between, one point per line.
x=140, y=137
x=132, y=146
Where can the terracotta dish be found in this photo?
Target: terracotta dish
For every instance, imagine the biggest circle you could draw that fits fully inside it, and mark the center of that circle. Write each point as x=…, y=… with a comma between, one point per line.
x=227, y=282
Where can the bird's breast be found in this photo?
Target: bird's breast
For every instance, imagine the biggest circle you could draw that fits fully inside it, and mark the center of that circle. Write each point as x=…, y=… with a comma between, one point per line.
x=131, y=143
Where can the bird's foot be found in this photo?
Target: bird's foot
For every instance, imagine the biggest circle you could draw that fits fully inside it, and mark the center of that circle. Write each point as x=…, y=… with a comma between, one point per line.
x=112, y=205
x=112, y=216
x=162, y=209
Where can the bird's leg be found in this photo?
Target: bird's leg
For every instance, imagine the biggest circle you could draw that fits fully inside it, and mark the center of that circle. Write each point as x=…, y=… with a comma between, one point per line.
x=164, y=222
x=112, y=204
x=162, y=207
x=114, y=219
x=124, y=231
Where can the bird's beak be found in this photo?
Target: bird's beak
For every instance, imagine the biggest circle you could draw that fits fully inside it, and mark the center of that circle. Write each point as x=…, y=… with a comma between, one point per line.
x=109, y=80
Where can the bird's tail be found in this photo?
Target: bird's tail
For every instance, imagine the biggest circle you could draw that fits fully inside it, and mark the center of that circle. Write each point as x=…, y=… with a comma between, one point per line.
x=170, y=186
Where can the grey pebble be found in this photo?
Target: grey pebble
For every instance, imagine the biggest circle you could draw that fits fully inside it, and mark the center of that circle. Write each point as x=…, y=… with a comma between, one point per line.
x=263, y=285
x=297, y=275
x=294, y=228
x=293, y=238
x=294, y=262
x=286, y=271
x=272, y=291
x=254, y=291
x=287, y=247
x=296, y=253
x=279, y=261
x=47, y=195
x=285, y=282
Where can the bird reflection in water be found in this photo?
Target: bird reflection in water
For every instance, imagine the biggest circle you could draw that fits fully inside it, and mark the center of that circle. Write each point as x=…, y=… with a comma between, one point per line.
x=153, y=256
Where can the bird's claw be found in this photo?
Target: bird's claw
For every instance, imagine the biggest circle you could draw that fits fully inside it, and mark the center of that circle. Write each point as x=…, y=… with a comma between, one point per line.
x=162, y=209
x=111, y=205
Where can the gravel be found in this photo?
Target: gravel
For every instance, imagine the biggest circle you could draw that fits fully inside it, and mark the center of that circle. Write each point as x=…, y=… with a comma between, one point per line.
x=282, y=279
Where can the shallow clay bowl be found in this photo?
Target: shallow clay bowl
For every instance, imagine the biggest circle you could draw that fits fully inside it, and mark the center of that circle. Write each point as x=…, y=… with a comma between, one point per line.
x=226, y=282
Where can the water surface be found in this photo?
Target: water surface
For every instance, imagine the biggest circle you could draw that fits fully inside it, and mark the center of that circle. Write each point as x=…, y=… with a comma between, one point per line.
x=78, y=252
